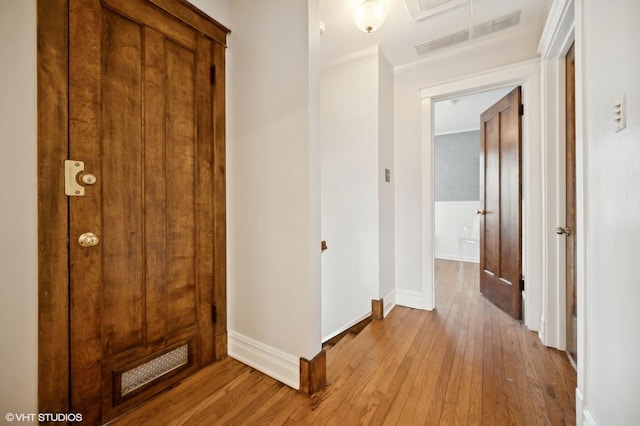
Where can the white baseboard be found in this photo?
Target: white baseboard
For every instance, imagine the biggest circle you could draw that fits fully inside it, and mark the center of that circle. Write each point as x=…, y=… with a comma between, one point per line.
x=579, y=408
x=273, y=362
x=587, y=418
x=456, y=257
x=389, y=302
x=410, y=299
x=346, y=326
x=542, y=332
x=583, y=415
x=532, y=318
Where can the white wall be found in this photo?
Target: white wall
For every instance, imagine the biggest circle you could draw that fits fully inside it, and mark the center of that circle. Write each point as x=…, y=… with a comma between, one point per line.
x=217, y=9
x=451, y=217
x=386, y=189
x=606, y=42
x=357, y=202
x=464, y=115
x=273, y=185
x=18, y=221
x=350, y=186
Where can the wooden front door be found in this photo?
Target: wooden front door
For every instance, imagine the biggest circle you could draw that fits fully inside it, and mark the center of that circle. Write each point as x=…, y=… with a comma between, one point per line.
x=570, y=220
x=500, y=198
x=146, y=118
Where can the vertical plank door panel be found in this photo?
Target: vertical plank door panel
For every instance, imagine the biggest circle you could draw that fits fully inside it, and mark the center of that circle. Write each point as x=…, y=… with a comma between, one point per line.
x=121, y=183
x=155, y=197
x=501, y=223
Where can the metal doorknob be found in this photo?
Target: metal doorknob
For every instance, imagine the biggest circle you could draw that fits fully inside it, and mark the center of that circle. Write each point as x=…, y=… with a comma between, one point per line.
x=88, y=239
x=480, y=212
x=565, y=231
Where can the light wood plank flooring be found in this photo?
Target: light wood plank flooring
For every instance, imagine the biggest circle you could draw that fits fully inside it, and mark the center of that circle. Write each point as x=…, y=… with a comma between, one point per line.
x=466, y=363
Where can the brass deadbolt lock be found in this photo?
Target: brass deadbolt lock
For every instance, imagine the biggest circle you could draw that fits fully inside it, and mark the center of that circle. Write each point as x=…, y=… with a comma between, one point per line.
x=88, y=179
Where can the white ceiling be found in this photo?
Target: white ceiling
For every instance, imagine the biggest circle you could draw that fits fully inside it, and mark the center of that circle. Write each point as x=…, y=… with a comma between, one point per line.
x=463, y=114
x=400, y=32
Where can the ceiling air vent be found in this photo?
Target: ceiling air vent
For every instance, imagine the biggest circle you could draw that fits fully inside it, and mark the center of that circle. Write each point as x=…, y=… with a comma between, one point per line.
x=423, y=9
x=430, y=4
x=479, y=30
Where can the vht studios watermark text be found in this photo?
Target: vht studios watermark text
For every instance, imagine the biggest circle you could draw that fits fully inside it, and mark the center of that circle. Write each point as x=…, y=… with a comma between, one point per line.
x=43, y=417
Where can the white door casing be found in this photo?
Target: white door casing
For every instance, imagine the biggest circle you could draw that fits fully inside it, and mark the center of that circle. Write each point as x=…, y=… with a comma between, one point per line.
x=527, y=75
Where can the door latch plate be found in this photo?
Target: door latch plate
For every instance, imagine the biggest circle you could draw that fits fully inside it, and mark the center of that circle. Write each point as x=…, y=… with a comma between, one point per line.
x=72, y=168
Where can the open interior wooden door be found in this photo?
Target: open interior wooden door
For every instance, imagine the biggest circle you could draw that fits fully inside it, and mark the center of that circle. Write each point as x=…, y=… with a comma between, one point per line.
x=147, y=238
x=570, y=220
x=500, y=198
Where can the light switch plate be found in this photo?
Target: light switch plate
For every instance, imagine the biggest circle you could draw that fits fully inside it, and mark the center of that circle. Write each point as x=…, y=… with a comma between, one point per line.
x=620, y=113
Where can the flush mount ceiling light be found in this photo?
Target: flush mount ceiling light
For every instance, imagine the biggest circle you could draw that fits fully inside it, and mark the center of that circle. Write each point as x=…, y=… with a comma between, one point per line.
x=369, y=16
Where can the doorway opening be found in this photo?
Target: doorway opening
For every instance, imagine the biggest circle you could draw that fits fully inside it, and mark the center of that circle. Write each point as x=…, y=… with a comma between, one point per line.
x=562, y=326
x=457, y=178
x=570, y=223
x=526, y=75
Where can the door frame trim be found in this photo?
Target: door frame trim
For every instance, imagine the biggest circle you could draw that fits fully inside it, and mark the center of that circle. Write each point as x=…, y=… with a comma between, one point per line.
x=565, y=25
x=527, y=75
x=53, y=216
x=554, y=45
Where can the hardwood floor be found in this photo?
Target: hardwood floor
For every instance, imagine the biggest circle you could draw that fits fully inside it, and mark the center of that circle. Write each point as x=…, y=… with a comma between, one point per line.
x=466, y=363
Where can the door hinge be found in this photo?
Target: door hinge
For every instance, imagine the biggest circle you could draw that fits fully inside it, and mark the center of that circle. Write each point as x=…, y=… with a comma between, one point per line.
x=521, y=109
x=521, y=283
x=212, y=74
x=214, y=313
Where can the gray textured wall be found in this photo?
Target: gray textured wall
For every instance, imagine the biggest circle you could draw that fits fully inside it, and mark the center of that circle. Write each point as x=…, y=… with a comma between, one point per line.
x=457, y=166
